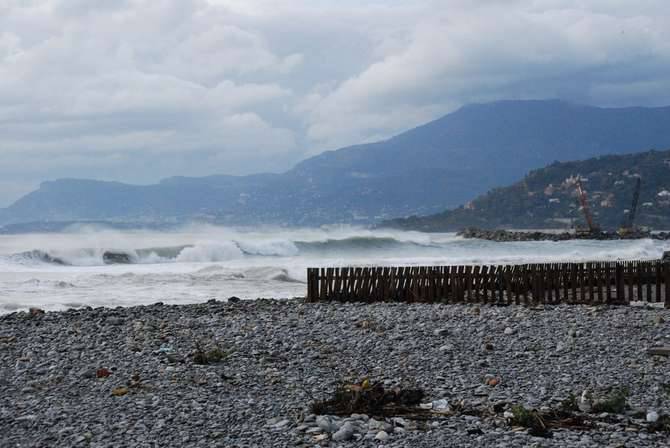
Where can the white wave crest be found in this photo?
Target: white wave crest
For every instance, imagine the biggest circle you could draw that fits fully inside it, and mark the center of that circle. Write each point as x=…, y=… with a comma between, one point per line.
x=202, y=253
x=268, y=248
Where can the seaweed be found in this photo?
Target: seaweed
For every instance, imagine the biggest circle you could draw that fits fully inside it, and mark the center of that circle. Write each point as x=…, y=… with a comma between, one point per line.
x=370, y=399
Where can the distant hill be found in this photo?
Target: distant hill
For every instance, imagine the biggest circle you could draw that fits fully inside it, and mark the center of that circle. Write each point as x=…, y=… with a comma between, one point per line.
x=547, y=198
x=422, y=171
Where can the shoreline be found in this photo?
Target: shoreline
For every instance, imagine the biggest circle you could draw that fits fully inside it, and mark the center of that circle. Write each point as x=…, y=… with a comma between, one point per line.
x=275, y=357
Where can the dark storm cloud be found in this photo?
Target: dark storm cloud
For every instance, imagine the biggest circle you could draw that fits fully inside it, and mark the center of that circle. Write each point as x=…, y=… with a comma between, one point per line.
x=136, y=90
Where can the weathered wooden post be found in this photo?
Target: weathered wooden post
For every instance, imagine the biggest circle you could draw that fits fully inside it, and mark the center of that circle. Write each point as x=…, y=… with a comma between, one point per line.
x=665, y=262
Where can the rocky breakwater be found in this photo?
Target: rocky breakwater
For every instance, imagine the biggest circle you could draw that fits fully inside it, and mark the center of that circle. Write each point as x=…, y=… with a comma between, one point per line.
x=249, y=373
x=510, y=235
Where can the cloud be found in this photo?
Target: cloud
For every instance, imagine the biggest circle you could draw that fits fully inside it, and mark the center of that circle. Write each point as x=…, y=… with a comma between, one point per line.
x=464, y=54
x=106, y=89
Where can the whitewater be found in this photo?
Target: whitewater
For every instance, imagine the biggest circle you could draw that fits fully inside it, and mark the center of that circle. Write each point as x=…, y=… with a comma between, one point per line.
x=93, y=266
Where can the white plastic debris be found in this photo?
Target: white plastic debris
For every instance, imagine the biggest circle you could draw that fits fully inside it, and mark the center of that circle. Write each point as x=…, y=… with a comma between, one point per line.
x=585, y=401
x=440, y=405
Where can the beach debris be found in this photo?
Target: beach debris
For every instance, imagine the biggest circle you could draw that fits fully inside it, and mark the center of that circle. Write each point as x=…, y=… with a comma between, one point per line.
x=614, y=403
x=135, y=380
x=205, y=357
x=102, y=373
x=540, y=423
x=34, y=312
x=437, y=405
x=119, y=391
x=7, y=339
x=371, y=399
x=585, y=403
x=531, y=419
x=659, y=350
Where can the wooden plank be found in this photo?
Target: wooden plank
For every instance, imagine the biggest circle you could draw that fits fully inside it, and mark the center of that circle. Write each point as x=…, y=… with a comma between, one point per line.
x=507, y=273
x=658, y=273
x=541, y=284
x=517, y=280
x=659, y=351
x=599, y=279
x=630, y=279
x=500, y=281
x=313, y=280
x=525, y=283
x=639, y=283
x=649, y=280
x=565, y=282
x=610, y=269
x=476, y=282
x=590, y=279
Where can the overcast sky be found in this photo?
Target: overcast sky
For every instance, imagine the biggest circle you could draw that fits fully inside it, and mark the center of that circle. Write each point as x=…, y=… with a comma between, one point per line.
x=138, y=90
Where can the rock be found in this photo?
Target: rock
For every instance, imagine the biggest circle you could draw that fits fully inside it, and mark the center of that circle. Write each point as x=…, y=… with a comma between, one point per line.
x=114, y=320
x=652, y=416
x=382, y=436
x=233, y=299
x=447, y=347
x=346, y=432
x=441, y=332
x=509, y=331
x=87, y=372
x=282, y=423
x=481, y=391
x=658, y=320
x=325, y=423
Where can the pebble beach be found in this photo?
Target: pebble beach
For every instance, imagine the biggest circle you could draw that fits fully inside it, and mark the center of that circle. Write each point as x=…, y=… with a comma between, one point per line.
x=244, y=373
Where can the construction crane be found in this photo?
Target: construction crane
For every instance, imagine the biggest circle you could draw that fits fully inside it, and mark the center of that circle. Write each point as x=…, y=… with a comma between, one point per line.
x=629, y=219
x=583, y=201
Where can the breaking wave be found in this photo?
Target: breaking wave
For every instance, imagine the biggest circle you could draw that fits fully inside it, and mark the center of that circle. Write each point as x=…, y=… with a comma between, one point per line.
x=451, y=250
x=213, y=252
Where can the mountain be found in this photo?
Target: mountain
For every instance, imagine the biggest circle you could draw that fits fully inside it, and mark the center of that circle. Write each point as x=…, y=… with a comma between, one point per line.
x=547, y=197
x=438, y=165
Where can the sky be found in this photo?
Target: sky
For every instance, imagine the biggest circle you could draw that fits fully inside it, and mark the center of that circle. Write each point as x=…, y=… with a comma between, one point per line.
x=139, y=90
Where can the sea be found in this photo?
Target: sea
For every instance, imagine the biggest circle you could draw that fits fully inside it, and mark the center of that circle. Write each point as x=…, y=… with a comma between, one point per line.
x=96, y=266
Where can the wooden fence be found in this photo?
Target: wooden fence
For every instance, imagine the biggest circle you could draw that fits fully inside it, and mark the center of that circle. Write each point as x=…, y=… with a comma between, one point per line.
x=617, y=282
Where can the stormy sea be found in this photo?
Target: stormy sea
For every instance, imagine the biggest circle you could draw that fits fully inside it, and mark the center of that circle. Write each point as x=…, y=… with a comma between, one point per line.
x=94, y=266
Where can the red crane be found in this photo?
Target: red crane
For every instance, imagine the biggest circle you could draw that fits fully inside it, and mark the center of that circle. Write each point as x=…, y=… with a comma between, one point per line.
x=583, y=201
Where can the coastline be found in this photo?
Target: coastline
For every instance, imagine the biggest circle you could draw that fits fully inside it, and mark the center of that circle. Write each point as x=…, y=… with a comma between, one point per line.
x=277, y=356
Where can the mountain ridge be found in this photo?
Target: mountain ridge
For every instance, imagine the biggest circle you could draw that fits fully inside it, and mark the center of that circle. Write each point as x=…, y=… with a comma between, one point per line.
x=546, y=198
x=424, y=170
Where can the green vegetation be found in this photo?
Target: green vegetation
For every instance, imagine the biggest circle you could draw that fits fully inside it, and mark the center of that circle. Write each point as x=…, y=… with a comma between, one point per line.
x=615, y=403
x=546, y=198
